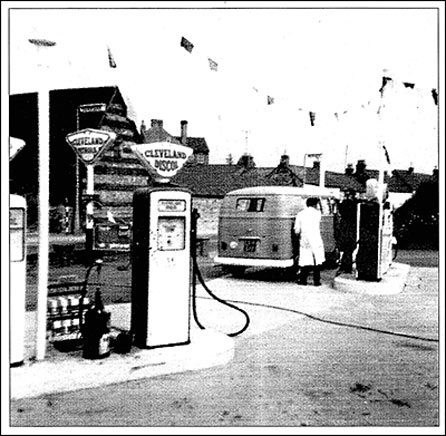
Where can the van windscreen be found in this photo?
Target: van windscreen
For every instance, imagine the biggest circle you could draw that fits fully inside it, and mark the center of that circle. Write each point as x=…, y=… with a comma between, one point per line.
x=250, y=204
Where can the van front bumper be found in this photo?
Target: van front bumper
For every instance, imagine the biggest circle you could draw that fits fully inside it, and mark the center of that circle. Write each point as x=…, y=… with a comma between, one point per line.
x=239, y=261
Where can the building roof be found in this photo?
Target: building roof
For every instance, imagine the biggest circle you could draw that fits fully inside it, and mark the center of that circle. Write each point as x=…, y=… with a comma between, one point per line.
x=158, y=134
x=199, y=145
x=217, y=180
x=407, y=181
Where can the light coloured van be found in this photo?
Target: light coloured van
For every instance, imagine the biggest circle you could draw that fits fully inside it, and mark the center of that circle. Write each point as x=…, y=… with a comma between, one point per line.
x=256, y=225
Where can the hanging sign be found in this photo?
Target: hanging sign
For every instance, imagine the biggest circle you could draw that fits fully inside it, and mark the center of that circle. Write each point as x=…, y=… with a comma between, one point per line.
x=164, y=159
x=89, y=144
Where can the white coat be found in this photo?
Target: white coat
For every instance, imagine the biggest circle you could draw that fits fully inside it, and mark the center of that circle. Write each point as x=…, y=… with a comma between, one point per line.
x=311, y=247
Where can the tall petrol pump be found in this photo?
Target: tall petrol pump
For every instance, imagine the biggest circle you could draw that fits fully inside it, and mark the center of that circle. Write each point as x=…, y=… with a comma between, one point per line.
x=161, y=267
x=375, y=233
x=161, y=263
x=17, y=291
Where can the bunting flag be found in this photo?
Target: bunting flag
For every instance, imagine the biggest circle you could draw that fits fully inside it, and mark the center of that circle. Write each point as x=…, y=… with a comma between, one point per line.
x=111, y=60
x=387, y=154
x=312, y=118
x=213, y=65
x=435, y=96
x=186, y=44
x=385, y=81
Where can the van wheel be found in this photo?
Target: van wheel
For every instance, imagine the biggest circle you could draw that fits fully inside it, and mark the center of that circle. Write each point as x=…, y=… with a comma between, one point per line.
x=237, y=271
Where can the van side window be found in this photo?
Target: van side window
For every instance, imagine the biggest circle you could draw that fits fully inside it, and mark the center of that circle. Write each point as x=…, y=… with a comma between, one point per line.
x=250, y=204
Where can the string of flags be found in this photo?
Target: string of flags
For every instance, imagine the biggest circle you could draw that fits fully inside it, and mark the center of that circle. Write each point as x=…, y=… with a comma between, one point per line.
x=213, y=65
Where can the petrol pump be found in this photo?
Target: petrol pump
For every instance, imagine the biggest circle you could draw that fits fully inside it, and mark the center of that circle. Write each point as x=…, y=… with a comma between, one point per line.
x=375, y=235
x=161, y=267
x=161, y=264
x=17, y=290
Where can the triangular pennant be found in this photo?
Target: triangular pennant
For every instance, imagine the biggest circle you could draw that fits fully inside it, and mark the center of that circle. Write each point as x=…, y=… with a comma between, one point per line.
x=435, y=96
x=312, y=118
x=111, y=60
x=186, y=44
x=387, y=154
x=213, y=65
x=384, y=83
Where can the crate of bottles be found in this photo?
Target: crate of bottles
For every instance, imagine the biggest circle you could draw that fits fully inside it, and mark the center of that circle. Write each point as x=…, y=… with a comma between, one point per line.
x=66, y=311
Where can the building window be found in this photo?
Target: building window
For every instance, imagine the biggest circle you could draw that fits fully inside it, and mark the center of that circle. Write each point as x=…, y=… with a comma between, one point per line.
x=200, y=158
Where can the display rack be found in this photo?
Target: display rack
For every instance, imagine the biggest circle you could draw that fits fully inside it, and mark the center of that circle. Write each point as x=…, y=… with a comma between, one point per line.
x=67, y=305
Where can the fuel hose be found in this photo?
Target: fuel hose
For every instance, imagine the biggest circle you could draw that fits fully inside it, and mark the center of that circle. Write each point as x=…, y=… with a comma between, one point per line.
x=197, y=274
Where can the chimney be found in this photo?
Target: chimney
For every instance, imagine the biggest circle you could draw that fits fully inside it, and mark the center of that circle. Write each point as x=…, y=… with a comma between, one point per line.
x=349, y=170
x=410, y=170
x=143, y=127
x=361, y=166
x=184, y=132
x=284, y=160
x=246, y=161
x=157, y=123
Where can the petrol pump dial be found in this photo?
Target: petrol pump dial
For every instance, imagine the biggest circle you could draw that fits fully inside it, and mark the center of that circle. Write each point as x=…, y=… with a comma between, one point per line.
x=171, y=233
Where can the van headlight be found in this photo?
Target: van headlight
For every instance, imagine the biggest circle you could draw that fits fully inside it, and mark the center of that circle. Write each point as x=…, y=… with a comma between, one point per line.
x=233, y=244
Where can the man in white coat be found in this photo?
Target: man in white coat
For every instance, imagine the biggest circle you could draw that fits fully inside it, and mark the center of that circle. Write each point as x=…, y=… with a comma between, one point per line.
x=311, y=247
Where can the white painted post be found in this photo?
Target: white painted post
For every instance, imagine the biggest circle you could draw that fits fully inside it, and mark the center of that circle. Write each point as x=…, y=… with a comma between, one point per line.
x=43, y=102
x=43, y=221
x=321, y=171
x=89, y=223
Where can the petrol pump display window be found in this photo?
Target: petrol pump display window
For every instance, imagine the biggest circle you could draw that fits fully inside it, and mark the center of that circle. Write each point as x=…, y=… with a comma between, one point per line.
x=171, y=233
x=171, y=205
x=17, y=234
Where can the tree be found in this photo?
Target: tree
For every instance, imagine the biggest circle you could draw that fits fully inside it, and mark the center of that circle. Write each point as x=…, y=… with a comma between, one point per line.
x=416, y=222
x=229, y=159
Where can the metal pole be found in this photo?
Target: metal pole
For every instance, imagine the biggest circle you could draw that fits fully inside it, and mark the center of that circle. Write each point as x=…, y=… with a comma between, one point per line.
x=43, y=217
x=77, y=195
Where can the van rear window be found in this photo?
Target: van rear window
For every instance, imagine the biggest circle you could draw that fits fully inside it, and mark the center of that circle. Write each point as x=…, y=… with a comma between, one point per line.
x=250, y=204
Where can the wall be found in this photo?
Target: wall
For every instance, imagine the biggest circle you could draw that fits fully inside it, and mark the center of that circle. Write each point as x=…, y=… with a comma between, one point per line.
x=208, y=208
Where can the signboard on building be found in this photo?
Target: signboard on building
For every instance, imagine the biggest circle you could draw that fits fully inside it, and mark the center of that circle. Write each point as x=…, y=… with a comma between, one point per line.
x=92, y=107
x=90, y=144
x=164, y=159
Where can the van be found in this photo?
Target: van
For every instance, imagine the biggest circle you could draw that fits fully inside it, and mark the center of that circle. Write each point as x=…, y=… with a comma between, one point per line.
x=256, y=225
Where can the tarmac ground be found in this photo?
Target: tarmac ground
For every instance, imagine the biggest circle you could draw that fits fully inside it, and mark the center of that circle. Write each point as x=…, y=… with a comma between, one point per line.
x=347, y=353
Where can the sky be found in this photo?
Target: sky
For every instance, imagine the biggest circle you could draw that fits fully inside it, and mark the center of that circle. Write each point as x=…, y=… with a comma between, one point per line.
x=326, y=61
